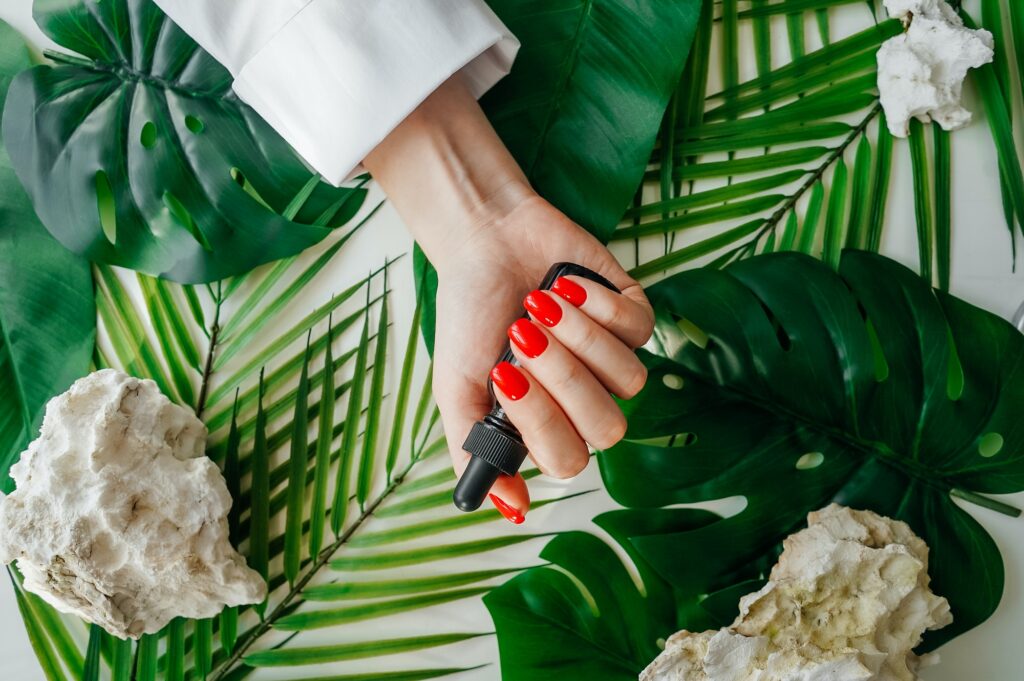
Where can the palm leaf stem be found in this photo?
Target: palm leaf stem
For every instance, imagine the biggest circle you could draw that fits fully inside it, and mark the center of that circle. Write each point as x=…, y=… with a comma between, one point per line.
x=208, y=366
x=286, y=604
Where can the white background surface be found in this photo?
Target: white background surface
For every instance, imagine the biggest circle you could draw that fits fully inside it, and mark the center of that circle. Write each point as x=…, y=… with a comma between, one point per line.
x=982, y=274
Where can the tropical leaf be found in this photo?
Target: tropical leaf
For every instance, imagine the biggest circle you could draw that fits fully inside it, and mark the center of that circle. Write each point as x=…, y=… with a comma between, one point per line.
x=806, y=116
x=138, y=153
x=587, y=92
x=907, y=401
x=47, y=318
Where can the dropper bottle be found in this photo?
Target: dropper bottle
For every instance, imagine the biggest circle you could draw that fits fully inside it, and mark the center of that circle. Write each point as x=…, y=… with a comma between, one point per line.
x=495, y=446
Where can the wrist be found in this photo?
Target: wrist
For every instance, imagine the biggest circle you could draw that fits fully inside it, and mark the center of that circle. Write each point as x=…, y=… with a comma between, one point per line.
x=448, y=174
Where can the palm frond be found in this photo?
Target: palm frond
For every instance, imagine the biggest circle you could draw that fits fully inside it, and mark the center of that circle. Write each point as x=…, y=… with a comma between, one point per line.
x=788, y=158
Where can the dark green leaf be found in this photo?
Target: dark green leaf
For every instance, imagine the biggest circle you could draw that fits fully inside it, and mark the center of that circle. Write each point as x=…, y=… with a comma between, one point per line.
x=350, y=651
x=374, y=400
x=835, y=217
x=879, y=185
x=47, y=315
x=324, y=440
x=856, y=236
x=922, y=198
x=259, y=497
x=348, y=589
x=158, y=143
x=350, y=437
x=297, y=463
x=943, y=206
x=147, y=657
x=895, y=443
x=176, y=650
x=317, y=619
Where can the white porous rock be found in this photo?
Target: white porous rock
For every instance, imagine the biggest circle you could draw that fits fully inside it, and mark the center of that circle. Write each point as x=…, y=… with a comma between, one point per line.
x=118, y=516
x=847, y=601
x=921, y=71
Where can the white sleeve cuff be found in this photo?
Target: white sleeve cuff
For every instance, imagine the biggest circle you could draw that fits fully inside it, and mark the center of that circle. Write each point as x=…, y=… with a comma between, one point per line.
x=338, y=77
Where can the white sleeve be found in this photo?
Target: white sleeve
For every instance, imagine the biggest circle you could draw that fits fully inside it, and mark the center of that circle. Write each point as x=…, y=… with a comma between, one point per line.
x=334, y=77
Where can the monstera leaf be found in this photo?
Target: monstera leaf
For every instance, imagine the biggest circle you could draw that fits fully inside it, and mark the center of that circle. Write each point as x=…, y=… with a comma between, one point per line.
x=581, y=108
x=792, y=386
x=138, y=154
x=781, y=382
x=47, y=317
x=585, y=616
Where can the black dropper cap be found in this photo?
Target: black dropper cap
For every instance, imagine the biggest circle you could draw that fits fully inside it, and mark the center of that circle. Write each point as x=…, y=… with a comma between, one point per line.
x=496, y=447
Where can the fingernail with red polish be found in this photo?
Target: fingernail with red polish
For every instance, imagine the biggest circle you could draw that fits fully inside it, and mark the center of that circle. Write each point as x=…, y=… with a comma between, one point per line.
x=528, y=337
x=511, y=514
x=570, y=290
x=543, y=308
x=510, y=380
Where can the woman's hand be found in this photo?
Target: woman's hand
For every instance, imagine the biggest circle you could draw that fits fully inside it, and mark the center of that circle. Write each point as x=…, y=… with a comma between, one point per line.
x=492, y=239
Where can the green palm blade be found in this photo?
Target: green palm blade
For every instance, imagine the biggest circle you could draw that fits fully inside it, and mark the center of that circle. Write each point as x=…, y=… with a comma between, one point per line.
x=856, y=235
x=922, y=198
x=259, y=498
x=350, y=437
x=351, y=651
x=318, y=619
x=835, y=217
x=297, y=464
x=401, y=558
x=340, y=591
x=325, y=437
x=373, y=405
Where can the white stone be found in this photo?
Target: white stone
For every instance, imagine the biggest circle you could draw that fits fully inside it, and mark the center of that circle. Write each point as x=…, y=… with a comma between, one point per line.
x=921, y=71
x=118, y=516
x=847, y=601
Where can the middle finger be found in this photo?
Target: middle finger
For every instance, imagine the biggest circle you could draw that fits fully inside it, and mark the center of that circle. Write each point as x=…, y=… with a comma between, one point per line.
x=581, y=396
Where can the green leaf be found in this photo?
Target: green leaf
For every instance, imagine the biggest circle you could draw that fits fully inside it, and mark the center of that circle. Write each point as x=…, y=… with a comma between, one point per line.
x=350, y=437
x=582, y=107
x=324, y=440
x=879, y=185
x=176, y=650
x=856, y=236
x=587, y=92
x=791, y=6
x=943, y=205
x=146, y=131
x=374, y=400
x=121, y=664
x=835, y=217
x=809, y=228
x=147, y=657
x=897, y=444
x=203, y=646
x=259, y=497
x=91, y=671
x=297, y=463
x=380, y=561
x=47, y=314
x=922, y=198
x=588, y=618
x=351, y=651
x=339, y=591
x=318, y=619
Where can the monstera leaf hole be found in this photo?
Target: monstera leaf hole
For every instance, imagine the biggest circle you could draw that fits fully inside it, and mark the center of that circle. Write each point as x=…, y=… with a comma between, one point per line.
x=106, y=206
x=809, y=461
x=693, y=333
x=183, y=219
x=673, y=381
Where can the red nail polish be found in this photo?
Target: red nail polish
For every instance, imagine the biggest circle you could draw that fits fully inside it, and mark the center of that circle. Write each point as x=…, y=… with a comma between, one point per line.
x=570, y=290
x=511, y=514
x=510, y=380
x=543, y=307
x=528, y=337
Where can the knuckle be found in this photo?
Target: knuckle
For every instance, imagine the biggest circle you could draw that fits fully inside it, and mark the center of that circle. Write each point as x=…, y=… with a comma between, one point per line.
x=570, y=465
x=635, y=383
x=613, y=430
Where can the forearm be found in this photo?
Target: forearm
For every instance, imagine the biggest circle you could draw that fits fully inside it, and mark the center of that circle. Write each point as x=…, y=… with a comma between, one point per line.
x=447, y=172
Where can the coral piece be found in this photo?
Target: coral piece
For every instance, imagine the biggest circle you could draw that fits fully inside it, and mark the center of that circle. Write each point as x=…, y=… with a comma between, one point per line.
x=921, y=71
x=847, y=601
x=118, y=516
